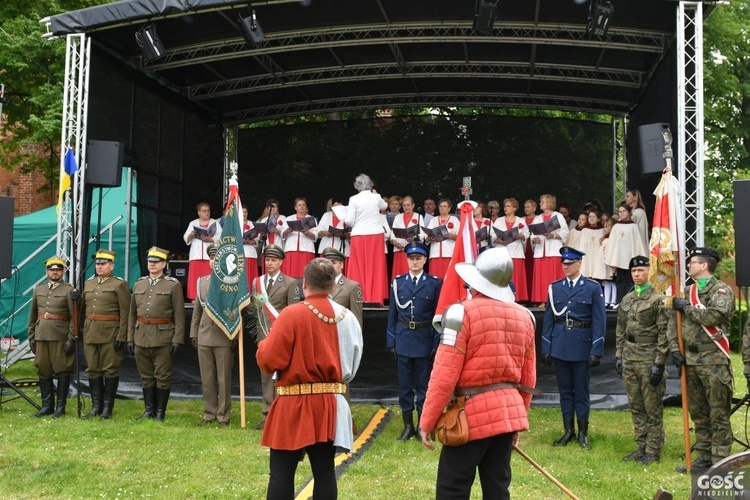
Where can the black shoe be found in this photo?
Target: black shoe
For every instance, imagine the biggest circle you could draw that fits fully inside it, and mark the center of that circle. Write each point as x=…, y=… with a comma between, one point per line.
x=409, y=429
x=583, y=437
x=697, y=466
x=108, y=399
x=47, y=389
x=149, y=401
x=635, y=455
x=205, y=422
x=259, y=426
x=63, y=386
x=162, y=398
x=96, y=384
x=223, y=424
x=570, y=432
x=648, y=458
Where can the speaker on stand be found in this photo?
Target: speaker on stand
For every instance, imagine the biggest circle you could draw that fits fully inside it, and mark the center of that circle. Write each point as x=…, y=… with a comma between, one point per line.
x=6, y=235
x=651, y=148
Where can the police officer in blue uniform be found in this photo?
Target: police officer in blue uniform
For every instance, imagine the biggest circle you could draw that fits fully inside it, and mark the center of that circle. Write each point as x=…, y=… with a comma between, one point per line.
x=411, y=338
x=573, y=336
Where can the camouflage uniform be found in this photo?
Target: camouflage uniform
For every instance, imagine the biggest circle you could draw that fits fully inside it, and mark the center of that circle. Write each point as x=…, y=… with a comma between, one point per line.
x=709, y=375
x=642, y=343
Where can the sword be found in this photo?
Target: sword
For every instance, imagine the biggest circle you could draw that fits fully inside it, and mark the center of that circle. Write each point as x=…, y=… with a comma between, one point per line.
x=545, y=473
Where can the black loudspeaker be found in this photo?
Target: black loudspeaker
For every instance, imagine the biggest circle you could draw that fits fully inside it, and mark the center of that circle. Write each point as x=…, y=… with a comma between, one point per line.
x=104, y=163
x=742, y=231
x=484, y=18
x=651, y=143
x=6, y=240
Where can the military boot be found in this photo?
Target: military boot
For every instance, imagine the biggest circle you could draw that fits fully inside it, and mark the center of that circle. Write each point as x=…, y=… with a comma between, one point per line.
x=583, y=434
x=162, y=398
x=63, y=386
x=409, y=430
x=97, y=386
x=149, y=401
x=635, y=455
x=48, y=398
x=110, y=392
x=649, y=458
x=697, y=467
x=570, y=432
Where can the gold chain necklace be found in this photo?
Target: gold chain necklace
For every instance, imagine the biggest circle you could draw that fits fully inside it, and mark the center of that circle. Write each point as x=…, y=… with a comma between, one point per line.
x=322, y=316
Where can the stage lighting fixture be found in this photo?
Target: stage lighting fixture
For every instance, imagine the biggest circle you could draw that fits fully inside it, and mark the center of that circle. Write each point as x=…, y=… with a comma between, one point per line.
x=600, y=17
x=484, y=17
x=149, y=42
x=251, y=30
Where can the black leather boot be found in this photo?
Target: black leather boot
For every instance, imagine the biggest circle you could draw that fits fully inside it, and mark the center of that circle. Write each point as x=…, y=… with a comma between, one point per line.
x=63, y=386
x=570, y=432
x=583, y=434
x=162, y=398
x=149, y=401
x=96, y=384
x=47, y=388
x=409, y=430
x=110, y=392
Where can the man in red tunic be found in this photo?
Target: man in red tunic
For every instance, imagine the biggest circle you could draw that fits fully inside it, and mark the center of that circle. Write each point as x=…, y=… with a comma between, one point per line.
x=487, y=353
x=314, y=347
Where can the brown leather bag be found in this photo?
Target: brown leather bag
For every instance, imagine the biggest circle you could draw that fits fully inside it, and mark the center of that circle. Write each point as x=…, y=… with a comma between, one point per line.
x=452, y=427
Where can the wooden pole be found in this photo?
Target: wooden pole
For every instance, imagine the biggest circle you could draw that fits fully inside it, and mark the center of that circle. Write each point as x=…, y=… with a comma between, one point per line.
x=683, y=389
x=545, y=473
x=241, y=347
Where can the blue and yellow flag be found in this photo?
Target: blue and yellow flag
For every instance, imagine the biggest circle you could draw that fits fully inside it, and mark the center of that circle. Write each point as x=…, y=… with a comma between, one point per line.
x=228, y=292
x=70, y=166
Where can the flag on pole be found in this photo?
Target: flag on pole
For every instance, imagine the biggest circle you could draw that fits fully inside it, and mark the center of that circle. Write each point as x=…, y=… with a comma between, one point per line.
x=228, y=293
x=665, y=243
x=70, y=166
x=465, y=250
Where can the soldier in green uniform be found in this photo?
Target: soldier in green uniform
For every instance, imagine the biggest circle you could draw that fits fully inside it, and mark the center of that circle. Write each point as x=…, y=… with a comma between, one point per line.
x=346, y=292
x=106, y=304
x=51, y=337
x=707, y=312
x=156, y=330
x=641, y=351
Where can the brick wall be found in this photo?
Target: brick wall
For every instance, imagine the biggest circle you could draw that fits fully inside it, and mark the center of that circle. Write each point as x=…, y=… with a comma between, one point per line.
x=25, y=189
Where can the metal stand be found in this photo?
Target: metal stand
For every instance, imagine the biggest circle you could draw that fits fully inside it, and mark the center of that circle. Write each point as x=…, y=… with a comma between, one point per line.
x=4, y=382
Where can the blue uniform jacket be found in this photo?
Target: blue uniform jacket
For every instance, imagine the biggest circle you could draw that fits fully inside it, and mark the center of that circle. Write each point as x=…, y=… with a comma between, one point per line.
x=422, y=301
x=583, y=303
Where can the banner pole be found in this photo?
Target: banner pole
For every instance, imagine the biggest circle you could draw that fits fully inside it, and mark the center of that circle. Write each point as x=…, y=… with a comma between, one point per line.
x=241, y=347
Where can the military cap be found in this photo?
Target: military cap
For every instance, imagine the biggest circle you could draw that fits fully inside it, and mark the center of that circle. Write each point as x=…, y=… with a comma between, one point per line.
x=156, y=254
x=331, y=253
x=103, y=256
x=639, y=261
x=212, y=248
x=54, y=263
x=705, y=252
x=415, y=248
x=570, y=255
x=274, y=251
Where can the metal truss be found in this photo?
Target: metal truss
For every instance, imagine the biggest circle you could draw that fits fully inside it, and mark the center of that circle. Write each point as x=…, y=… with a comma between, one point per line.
x=70, y=232
x=403, y=33
x=447, y=99
x=619, y=159
x=418, y=69
x=690, y=118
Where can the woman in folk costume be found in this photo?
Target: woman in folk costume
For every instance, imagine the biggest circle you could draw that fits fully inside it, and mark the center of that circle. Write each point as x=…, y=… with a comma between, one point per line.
x=250, y=249
x=366, y=256
x=331, y=219
x=271, y=214
x=442, y=251
x=299, y=246
x=638, y=213
x=199, y=263
x=516, y=248
x=481, y=220
x=547, y=263
x=574, y=236
x=406, y=220
x=608, y=284
x=623, y=244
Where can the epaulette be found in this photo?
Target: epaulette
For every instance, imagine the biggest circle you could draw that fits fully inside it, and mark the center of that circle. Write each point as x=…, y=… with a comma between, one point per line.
x=117, y=278
x=400, y=276
x=172, y=278
x=94, y=276
x=433, y=277
x=142, y=278
x=593, y=281
x=559, y=281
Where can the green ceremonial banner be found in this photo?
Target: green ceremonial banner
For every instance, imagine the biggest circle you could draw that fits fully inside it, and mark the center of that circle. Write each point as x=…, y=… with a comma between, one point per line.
x=228, y=293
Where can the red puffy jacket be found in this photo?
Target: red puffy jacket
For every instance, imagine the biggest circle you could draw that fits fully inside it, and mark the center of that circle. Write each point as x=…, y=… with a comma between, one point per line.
x=495, y=344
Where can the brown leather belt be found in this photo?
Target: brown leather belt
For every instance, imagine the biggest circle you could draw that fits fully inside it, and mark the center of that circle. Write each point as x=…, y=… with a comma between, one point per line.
x=312, y=388
x=473, y=391
x=102, y=317
x=59, y=317
x=154, y=321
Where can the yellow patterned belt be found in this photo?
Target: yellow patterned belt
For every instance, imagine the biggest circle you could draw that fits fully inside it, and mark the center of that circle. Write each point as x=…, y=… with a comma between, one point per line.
x=313, y=388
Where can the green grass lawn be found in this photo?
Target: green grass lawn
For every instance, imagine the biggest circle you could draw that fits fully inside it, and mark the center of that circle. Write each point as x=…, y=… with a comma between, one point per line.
x=121, y=458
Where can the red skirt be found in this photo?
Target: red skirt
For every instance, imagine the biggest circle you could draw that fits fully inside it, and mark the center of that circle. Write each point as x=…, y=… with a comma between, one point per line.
x=400, y=264
x=367, y=267
x=295, y=262
x=520, y=280
x=439, y=266
x=546, y=270
x=196, y=269
x=251, y=265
